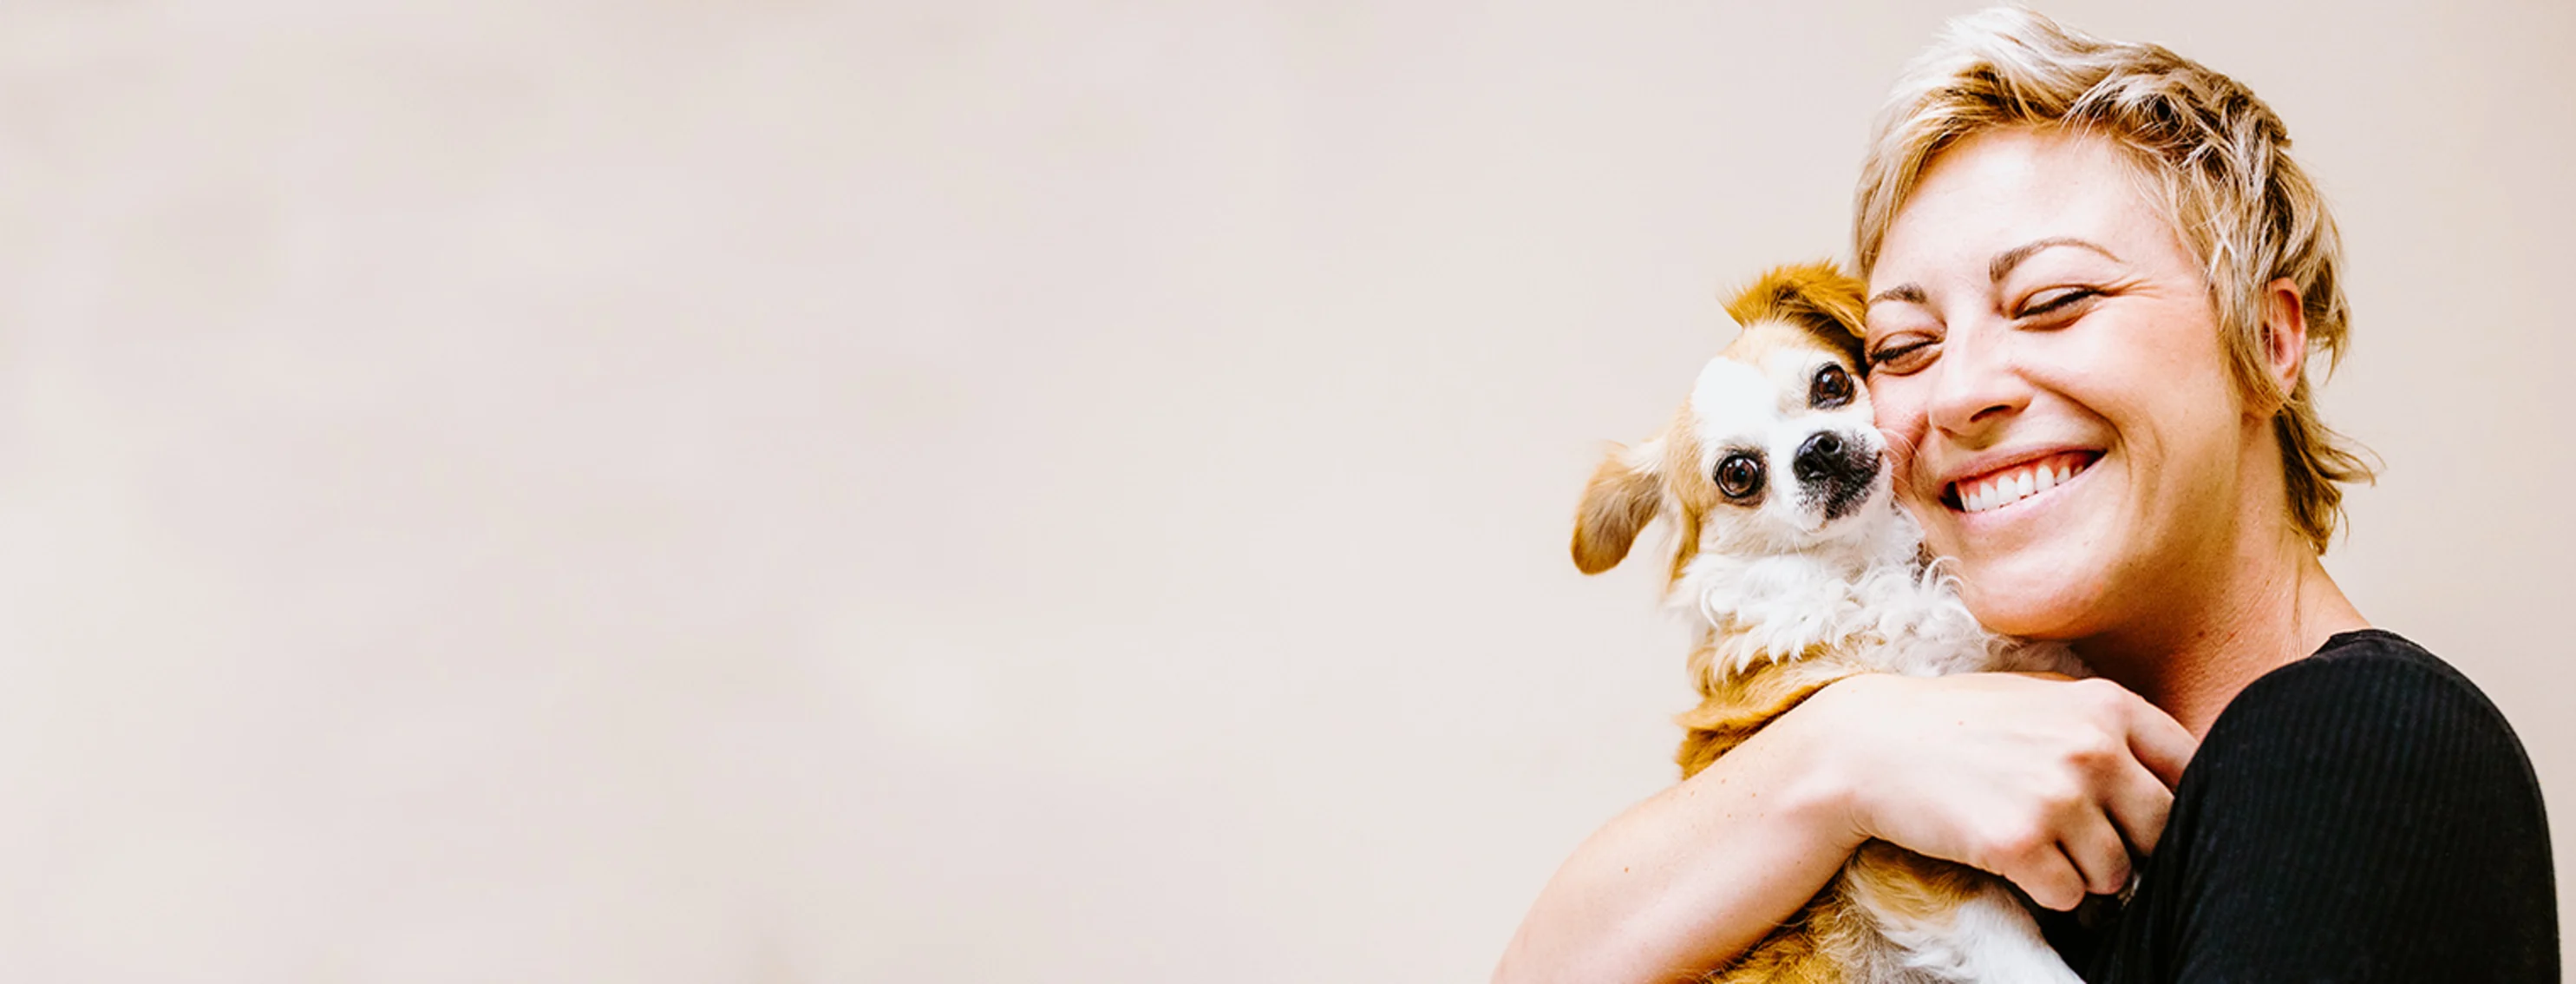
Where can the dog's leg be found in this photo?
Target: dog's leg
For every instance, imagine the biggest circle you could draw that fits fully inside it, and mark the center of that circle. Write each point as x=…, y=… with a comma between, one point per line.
x=1948, y=922
x=1995, y=939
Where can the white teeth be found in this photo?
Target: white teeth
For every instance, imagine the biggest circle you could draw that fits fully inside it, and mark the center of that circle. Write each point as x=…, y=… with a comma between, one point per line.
x=2022, y=483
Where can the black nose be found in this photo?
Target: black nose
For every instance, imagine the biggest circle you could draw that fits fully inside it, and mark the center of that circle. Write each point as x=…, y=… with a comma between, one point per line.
x=1822, y=457
x=1835, y=472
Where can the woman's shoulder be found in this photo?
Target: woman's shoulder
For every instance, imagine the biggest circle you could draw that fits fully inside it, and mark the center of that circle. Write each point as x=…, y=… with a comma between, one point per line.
x=2369, y=763
x=2364, y=655
x=2364, y=694
x=2371, y=755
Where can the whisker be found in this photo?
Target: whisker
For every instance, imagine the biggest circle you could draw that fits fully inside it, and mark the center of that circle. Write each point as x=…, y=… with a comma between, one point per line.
x=1900, y=453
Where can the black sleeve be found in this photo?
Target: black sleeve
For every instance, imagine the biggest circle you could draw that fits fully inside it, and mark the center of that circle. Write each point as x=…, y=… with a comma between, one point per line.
x=2363, y=815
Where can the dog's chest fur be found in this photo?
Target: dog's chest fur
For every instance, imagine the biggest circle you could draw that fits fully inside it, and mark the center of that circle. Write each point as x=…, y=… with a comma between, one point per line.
x=1869, y=601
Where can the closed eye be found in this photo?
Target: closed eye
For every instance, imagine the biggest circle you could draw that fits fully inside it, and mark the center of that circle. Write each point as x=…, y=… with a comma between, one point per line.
x=1902, y=355
x=2049, y=302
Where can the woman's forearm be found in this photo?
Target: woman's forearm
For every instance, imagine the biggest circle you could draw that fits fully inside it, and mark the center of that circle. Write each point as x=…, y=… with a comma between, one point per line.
x=1685, y=880
x=2038, y=780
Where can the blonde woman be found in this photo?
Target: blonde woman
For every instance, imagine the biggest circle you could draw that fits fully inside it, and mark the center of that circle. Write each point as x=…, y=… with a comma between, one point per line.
x=2084, y=248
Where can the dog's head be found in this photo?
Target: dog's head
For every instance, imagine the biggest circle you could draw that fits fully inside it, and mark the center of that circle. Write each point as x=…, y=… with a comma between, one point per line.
x=1775, y=450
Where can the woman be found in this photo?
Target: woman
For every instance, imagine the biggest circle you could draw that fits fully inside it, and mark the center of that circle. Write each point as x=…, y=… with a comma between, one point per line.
x=2086, y=247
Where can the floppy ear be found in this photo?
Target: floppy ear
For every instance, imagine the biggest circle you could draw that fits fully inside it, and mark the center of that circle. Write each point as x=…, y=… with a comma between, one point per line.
x=1817, y=297
x=1624, y=495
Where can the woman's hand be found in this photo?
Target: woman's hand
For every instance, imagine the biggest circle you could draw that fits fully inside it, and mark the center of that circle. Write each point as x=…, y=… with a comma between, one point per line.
x=2035, y=778
x=2042, y=780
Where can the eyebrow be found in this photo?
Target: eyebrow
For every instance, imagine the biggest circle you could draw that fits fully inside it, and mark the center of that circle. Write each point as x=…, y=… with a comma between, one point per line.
x=1909, y=293
x=1996, y=271
x=2008, y=259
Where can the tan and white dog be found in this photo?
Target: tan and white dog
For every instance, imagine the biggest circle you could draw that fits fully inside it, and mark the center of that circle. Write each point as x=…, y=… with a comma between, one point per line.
x=1802, y=571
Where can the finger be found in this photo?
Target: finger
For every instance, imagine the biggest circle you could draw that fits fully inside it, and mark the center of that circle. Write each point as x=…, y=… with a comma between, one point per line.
x=2162, y=744
x=2048, y=878
x=2099, y=855
x=2139, y=804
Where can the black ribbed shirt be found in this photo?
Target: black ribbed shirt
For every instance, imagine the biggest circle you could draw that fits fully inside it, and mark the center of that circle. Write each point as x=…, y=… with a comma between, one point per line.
x=2361, y=815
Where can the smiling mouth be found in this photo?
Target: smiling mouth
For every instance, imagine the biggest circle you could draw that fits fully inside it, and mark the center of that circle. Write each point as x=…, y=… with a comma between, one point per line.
x=2005, y=486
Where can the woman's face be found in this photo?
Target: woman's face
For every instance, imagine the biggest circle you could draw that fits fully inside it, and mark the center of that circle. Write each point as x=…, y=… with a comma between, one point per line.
x=2046, y=347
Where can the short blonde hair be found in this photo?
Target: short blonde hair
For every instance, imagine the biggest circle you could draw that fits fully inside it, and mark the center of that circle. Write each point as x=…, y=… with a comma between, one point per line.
x=2212, y=155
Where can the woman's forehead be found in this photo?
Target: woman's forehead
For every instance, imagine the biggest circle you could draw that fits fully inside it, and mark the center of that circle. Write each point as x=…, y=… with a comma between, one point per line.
x=1997, y=196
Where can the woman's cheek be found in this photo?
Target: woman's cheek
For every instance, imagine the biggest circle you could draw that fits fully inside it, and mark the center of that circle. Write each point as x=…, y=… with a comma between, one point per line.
x=1901, y=424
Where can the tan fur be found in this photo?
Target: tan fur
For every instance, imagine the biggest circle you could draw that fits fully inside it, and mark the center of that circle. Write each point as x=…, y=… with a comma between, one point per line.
x=1811, y=945
x=1830, y=938
x=1830, y=305
x=1617, y=503
x=1735, y=705
x=1834, y=938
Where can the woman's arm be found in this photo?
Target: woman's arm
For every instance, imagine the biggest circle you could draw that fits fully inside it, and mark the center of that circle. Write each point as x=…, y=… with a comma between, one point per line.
x=2036, y=779
x=1693, y=875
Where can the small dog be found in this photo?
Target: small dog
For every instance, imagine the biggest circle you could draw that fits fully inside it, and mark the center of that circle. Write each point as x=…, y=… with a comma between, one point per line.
x=1803, y=571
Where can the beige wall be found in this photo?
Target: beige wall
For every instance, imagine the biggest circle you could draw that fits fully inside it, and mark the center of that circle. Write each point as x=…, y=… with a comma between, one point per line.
x=783, y=492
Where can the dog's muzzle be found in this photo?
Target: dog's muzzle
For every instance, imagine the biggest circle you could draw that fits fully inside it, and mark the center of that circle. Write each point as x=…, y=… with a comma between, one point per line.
x=1836, y=471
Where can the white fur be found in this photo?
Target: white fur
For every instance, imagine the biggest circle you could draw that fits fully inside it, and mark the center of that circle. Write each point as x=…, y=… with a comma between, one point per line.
x=1989, y=939
x=1864, y=588
x=1737, y=406
x=1733, y=401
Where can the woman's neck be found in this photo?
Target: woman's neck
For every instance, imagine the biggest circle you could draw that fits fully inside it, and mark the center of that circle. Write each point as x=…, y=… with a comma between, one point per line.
x=2195, y=676
x=2270, y=605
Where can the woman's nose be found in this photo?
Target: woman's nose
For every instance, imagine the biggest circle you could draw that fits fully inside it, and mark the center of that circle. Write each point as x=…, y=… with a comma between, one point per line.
x=1975, y=383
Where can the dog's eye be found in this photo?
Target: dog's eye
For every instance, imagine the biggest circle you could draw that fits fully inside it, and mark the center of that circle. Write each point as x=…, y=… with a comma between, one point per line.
x=1739, y=476
x=1832, y=388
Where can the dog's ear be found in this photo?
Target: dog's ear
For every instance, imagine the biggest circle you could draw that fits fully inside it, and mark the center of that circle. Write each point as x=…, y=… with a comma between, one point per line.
x=1624, y=495
x=1817, y=297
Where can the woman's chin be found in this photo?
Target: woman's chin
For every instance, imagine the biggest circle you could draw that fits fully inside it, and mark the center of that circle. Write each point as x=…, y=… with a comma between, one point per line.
x=2030, y=601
